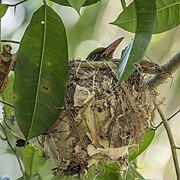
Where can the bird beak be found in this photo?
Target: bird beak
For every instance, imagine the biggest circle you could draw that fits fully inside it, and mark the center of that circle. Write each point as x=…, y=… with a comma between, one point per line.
x=112, y=47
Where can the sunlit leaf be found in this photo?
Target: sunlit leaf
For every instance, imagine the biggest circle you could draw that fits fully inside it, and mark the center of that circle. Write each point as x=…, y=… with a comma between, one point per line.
x=132, y=173
x=146, y=11
x=7, y=96
x=40, y=73
x=76, y=4
x=144, y=144
x=3, y=9
x=84, y=27
x=66, y=3
x=32, y=160
x=167, y=16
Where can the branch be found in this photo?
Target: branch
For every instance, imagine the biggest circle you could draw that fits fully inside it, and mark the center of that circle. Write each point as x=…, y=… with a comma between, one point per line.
x=170, y=67
x=171, y=142
x=167, y=119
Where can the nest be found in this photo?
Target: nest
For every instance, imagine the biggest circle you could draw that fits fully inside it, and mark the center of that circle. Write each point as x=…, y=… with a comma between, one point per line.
x=99, y=120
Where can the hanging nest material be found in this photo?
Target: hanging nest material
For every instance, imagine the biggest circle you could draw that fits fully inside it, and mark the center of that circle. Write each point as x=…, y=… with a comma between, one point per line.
x=99, y=120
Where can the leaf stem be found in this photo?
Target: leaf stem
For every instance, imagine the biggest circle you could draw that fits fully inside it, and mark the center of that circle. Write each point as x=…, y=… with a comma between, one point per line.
x=123, y=4
x=14, y=151
x=44, y=1
x=171, y=142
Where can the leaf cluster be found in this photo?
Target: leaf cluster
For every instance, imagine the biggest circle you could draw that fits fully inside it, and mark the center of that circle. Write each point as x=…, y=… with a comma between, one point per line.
x=41, y=71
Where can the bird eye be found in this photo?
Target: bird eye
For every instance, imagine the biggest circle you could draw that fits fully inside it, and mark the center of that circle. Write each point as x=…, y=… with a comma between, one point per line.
x=94, y=57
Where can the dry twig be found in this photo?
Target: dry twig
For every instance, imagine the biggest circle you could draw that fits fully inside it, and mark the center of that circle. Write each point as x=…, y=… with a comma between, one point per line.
x=170, y=67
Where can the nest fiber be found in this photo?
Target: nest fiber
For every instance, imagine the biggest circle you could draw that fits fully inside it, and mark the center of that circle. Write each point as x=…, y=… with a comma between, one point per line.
x=99, y=120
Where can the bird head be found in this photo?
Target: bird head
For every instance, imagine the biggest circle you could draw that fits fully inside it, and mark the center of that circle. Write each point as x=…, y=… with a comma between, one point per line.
x=104, y=53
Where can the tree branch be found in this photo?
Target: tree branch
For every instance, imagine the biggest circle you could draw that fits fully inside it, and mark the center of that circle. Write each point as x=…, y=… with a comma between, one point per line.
x=169, y=68
x=171, y=142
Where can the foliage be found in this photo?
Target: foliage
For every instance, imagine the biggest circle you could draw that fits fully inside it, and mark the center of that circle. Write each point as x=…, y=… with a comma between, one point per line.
x=33, y=162
x=3, y=9
x=143, y=145
x=167, y=16
x=42, y=69
x=44, y=72
x=136, y=49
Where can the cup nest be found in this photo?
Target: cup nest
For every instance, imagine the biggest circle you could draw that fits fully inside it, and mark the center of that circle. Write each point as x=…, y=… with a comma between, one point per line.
x=100, y=120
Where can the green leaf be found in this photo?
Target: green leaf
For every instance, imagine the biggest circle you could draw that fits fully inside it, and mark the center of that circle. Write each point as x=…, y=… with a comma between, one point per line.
x=104, y=171
x=32, y=159
x=167, y=16
x=41, y=73
x=3, y=9
x=7, y=96
x=132, y=173
x=76, y=4
x=145, y=142
x=146, y=12
x=66, y=3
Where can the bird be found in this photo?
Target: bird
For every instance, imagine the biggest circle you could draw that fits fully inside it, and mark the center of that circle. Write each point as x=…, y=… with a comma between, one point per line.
x=104, y=53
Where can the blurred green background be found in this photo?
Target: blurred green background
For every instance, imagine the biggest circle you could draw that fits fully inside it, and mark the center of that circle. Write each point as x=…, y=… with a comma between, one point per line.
x=85, y=33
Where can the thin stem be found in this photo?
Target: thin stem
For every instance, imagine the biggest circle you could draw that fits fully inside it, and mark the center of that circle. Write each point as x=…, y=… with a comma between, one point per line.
x=6, y=103
x=2, y=138
x=171, y=142
x=10, y=41
x=12, y=5
x=167, y=119
x=44, y=1
x=174, y=114
x=123, y=3
x=14, y=151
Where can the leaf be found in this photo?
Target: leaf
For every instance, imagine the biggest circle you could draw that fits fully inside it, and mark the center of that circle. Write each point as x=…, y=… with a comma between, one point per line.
x=135, y=51
x=40, y=73
x=167, y=16
x=7, y=96
x=76, y=4
x=66, y=3
x=104, y=171
x=32, y=159
x=132, y=173
x=3, y=9
x=145, y=142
